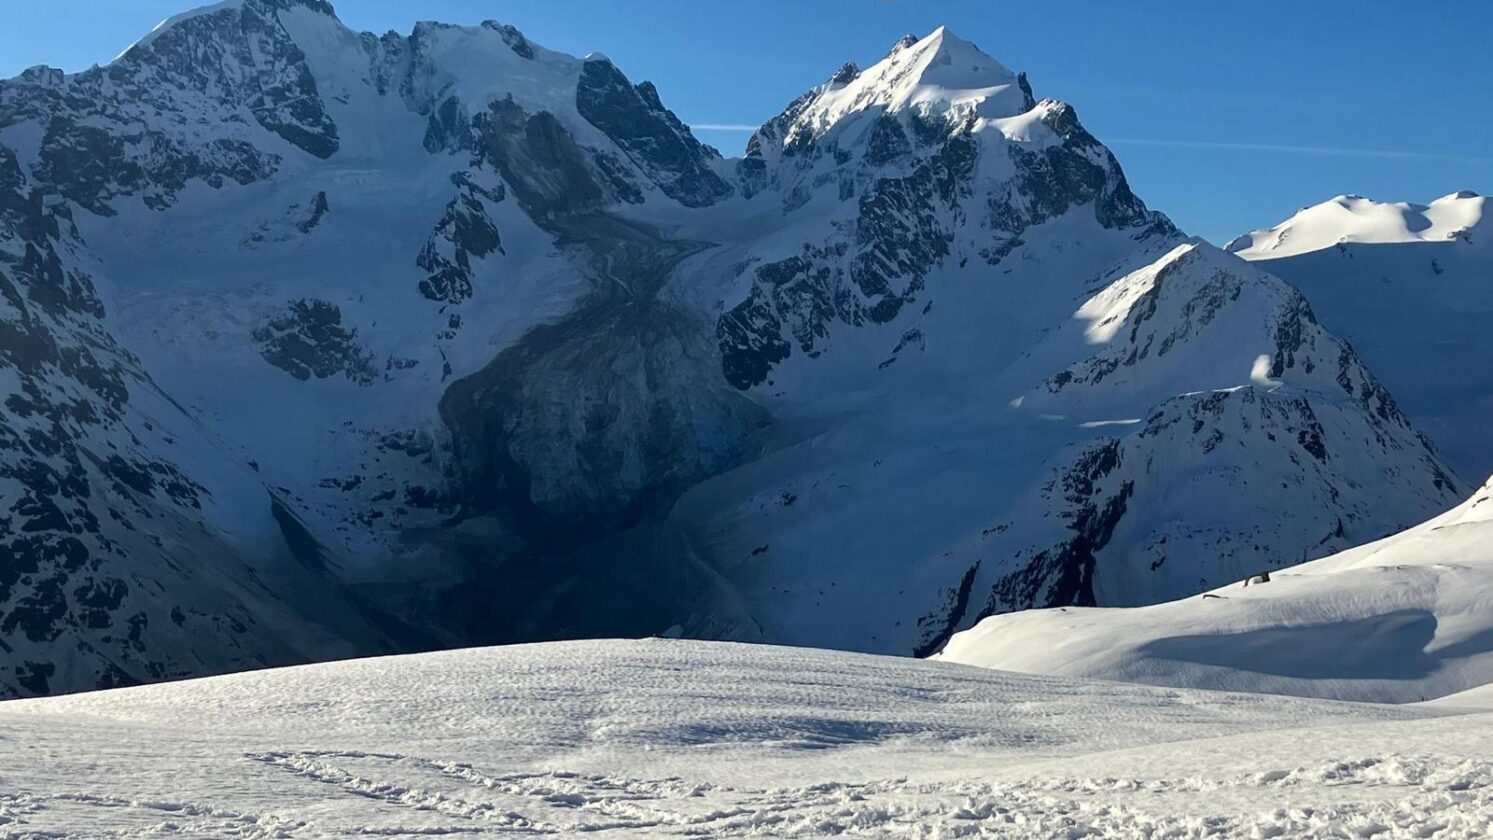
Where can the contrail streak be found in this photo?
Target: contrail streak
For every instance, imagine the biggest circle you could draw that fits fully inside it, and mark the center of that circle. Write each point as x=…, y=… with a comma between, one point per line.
x=1328, y=151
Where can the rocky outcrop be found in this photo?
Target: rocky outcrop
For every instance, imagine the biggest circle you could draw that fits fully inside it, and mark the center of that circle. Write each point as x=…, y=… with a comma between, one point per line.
x=309, y=339
x=465, y=235
x=215, y=73
x=655, y=139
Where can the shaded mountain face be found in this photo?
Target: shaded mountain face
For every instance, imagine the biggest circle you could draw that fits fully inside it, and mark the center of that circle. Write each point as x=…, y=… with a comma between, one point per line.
x=1411, y=286
x=364, y=342
x=128, y=546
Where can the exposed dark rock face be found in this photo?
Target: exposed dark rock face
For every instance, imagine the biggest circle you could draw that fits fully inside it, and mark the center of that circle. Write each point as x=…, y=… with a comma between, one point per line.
x=1079, y=171
x=311, y=340
x=905, y=225
x=1063, y=575
x=92, y=166
x=243, y=55
x=655, y=139
x=448, y=127
x=224, y=67
x=298, y=222
x=466, y=234
x=319, y=210
x=549, y=172
x=513, y=38
x=49, y=476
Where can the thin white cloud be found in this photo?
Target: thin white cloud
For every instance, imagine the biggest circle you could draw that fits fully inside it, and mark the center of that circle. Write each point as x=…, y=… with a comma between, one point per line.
x=724, y=126
x=1326, y=151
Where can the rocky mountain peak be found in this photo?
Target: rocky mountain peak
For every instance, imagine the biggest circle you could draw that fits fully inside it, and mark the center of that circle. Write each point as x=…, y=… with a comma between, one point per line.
x=321, y=7
x=846, y=74
x=902, y=43
x=940, y=67
x=939, y=75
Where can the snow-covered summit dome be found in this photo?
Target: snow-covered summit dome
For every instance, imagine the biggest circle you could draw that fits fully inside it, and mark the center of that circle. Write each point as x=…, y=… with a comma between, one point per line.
x=1356, y=219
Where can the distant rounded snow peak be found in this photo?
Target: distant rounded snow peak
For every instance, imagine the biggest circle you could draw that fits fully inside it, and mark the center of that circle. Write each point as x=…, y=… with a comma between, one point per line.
x=1346, y=219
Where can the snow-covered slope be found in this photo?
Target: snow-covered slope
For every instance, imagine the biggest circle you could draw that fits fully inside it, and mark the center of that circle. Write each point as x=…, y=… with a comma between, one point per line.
x=1411, y=286
x=518, y=358
x=1407, y=618
x=687, y=739
x=1353, y=219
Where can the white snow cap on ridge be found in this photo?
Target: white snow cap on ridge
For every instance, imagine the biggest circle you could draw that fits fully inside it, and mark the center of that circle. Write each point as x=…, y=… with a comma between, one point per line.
x=166, y=25
x=941, y=70
x=1353, y=218
x=321, y=6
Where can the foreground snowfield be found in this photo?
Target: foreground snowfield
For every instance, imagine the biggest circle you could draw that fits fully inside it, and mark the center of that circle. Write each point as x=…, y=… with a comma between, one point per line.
x=675, y=738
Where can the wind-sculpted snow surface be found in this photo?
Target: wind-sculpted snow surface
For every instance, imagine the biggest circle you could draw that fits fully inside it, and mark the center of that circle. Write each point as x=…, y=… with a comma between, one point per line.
x=1399, y=620
x=687, y=739
x=475, y=340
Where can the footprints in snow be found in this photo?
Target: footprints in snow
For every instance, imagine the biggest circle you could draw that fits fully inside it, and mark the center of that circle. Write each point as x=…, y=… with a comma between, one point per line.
x=412, y=796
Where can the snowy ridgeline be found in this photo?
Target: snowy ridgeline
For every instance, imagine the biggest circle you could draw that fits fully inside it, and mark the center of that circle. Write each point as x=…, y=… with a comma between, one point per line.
x=688, y=739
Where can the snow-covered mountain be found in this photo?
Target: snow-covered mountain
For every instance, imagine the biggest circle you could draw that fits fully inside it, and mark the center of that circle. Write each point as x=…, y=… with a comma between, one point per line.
x=1162, y=439
x=1411, y=286
x=1355, y=220
x=1403, y=619
x=459, y=340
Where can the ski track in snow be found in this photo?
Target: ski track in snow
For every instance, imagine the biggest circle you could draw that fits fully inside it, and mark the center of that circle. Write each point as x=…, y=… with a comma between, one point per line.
x=690, y=739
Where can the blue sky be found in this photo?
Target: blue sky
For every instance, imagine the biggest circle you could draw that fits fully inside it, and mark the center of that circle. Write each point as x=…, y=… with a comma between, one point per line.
x=1226, y=116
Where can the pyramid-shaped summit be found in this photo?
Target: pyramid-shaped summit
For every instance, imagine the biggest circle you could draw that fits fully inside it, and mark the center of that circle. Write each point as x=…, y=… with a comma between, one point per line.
x=941, y=70
x=939, y=73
